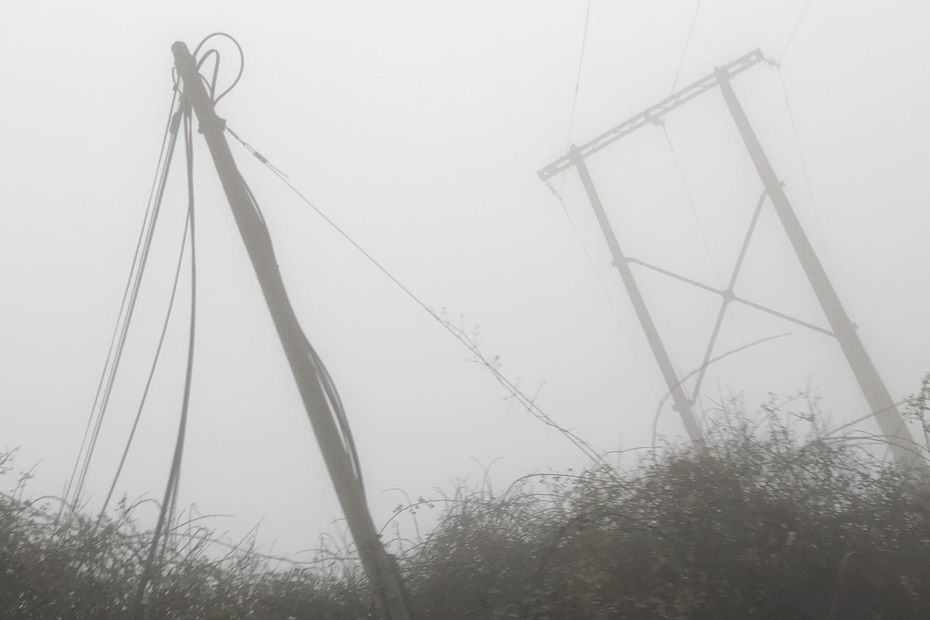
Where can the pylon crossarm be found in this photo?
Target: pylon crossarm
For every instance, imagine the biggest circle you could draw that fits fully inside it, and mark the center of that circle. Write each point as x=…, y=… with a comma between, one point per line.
x=676, y=276
x=728, y=295
x=651, y=115
x=786, y=317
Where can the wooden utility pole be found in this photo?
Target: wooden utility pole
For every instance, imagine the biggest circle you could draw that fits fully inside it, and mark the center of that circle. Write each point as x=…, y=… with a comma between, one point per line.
x=378, y=566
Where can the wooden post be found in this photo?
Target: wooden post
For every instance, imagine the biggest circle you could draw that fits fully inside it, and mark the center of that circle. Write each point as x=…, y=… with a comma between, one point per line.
x=380, y=572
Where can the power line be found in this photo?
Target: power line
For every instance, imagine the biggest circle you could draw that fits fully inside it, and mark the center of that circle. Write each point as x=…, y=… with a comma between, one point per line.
x=559, y=193
x=584, y=43
x=151, y=375
x=684, y=51
x=171, y=489
x=794, y=31
x=121, y=341
x=571, y=128
x=76, y=481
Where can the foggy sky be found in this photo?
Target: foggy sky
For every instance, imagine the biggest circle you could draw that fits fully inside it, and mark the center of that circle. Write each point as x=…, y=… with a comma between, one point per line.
x=419, y=127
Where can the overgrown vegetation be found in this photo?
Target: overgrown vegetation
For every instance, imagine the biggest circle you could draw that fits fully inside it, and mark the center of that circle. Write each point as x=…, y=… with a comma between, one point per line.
x=779, y=519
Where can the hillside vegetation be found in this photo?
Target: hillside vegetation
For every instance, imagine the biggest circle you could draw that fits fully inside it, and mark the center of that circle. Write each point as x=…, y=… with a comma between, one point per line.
x=778, y=520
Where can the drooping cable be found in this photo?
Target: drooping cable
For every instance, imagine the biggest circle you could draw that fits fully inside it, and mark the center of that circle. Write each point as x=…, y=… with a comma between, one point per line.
x=333, y=402
x=74, y=486
x=121, y=342
x=171, y=489
x=794, y=31
x=126, y=290
x=217, y=98
x=327, y=385
x=151, y=375
x=529, y=403
x=338, y=409
x=174, y=123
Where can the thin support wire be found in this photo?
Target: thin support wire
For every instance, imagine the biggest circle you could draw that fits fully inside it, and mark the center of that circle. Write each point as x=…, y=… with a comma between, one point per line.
x=171, y=490
x=797, y=144
x=587, y=254
x=684, y=51
x=584, y=44
x=528, y=402
x=794, y=31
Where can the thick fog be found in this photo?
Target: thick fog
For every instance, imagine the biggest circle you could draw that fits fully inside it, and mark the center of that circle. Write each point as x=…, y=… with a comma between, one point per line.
x=419, y=128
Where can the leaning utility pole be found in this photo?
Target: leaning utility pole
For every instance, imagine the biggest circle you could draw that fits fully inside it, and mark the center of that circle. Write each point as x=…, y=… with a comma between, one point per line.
x=890, y=421
x=873, y=388
x=680, y=401
x=378, y=566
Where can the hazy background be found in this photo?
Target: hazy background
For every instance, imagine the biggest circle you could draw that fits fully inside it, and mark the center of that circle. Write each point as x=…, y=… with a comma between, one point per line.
x=419, y=128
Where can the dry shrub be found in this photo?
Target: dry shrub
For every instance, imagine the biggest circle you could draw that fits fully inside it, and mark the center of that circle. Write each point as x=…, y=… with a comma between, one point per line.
x=779, y=519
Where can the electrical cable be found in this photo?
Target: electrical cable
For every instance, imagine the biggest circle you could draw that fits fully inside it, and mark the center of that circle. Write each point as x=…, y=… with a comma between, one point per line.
x=216, y=99
x=327, y=385
x=162, y=166
x=558, y=193
x=794, y=31
x=584, y=43
x=151, y=375
x=333, y=400
x=336, y=406
x=211, y=84
x=171, y=489
x=129, y=278
x=121, y=342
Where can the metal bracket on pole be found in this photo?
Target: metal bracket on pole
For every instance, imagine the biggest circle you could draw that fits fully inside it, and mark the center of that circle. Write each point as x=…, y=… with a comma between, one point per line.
x=379, y=568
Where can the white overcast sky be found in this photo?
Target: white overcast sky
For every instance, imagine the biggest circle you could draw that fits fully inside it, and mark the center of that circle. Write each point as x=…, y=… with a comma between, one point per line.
x=419, y=128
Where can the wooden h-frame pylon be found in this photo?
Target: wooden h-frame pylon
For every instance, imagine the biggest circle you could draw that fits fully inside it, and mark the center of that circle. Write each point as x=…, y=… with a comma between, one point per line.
x=890, y=421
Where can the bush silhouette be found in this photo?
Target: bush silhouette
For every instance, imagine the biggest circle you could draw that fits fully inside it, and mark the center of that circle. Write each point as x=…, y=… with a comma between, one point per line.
x=772, y=522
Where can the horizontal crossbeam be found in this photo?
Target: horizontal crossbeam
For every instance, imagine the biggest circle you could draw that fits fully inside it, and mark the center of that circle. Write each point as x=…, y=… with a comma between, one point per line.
x=728, y=294
x=652, y=114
